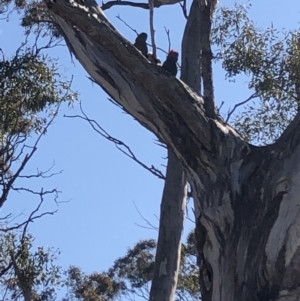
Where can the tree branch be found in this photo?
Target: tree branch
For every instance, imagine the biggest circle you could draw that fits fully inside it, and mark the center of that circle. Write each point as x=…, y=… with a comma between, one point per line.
x=110, y=4
x=135, y=31
x=161, y=103
x=150, y=226
x=183, y=6
x=246, y=198
x=168, y=36
x=7, y=186
x=238, y=105
x=156, y=4
x=126, y=24
x=120, y=145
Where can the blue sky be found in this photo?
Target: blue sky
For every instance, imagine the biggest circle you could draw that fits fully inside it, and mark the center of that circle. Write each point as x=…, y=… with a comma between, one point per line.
x=99, y=184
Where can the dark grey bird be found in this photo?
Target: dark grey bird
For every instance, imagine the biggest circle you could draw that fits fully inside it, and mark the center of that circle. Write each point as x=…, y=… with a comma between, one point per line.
x=141, y=45
x=170, y=63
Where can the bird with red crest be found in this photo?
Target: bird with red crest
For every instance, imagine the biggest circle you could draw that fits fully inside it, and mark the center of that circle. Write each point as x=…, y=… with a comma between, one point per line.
x=170, y=63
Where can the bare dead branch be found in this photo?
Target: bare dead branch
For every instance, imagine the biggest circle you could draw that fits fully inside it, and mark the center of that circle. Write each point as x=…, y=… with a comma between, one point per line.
x=110, y=4
x=36, y=192
x=5, y=217
x=220, y=107
x=9, y=184
x=120, y=145
x=149, y=80
x=26, y=287
x=30, y=220
x=156, y=4
x=43, y=174
x=184, y=10
x=168, y=36
x=119, y=17
x=254, y=95
x=151, y=226
x=115, y=103
x=33, y=216
x=159, y=143
x=135, y=31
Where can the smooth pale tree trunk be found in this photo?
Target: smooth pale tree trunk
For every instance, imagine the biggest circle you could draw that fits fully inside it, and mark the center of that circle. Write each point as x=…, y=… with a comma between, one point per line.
x=172, y=216
x=173, y=204
x=247, y=198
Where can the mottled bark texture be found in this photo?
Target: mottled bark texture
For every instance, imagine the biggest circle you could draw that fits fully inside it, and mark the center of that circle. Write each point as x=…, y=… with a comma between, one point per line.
x=206, y=10
x=246, y=198
x=173, y=204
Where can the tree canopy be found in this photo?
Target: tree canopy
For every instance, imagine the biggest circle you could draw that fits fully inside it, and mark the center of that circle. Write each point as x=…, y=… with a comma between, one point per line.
x=241, y=165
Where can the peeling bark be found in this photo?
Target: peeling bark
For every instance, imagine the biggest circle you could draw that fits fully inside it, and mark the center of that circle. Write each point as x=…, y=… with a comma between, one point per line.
x=246, y=197
x=163, y=104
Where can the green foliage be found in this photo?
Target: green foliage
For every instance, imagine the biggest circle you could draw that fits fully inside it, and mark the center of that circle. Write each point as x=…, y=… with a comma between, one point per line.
x=93, y=287
x=36, y=272
x=269, y=58
x=28, y=271
x=29, y=83
x=17, y=4
x=131, y=276
x=31, y=90
x=36, y=20
x=188, y=282
x=136, y=269
x=25, y=271
x=34, y=17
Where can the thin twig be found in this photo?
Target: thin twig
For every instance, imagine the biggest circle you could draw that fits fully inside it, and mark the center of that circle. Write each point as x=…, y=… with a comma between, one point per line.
x=220, y=107
x=118, y=17
x=120, y=145
x=254, y=95
x=136, y=32
x=28, y=156
x=110, y=4
x=42, y=174
x=25, y=224
x=151, y=227
x=32, y=216
x=168, y=35
x=183, y=6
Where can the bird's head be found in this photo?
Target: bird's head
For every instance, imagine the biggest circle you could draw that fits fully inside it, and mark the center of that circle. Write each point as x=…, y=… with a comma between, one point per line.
x=142, y=37
x=173, y=55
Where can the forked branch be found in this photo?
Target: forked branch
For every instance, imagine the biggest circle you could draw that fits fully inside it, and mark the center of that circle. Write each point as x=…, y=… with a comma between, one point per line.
x=120, y=145
x=161, y=103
